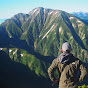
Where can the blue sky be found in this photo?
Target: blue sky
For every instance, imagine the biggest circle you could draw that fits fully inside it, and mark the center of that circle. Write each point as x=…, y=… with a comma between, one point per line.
x=8, y=8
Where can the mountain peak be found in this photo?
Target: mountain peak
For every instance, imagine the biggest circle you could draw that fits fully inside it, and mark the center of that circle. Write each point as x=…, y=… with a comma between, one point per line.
x=39, y=8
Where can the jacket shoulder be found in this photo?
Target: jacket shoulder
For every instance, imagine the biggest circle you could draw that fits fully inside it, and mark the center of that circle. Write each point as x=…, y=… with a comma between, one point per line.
x=55, y=61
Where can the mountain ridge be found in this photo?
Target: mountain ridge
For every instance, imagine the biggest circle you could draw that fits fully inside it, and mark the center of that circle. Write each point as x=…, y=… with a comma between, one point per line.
x=40, y=35
x=41, y=20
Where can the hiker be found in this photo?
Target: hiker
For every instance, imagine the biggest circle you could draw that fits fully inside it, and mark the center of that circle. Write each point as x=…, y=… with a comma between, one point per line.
x=67, y=66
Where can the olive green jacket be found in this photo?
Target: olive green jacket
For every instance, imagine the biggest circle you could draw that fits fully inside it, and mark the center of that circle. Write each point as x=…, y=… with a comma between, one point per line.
x=68, y=72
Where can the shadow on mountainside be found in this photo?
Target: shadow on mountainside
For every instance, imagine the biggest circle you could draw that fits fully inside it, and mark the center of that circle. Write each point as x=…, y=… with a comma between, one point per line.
x=22, y=44
x=6, y=42
x=16, y=75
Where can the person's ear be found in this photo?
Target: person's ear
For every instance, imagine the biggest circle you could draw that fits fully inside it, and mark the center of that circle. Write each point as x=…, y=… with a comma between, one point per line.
x=62, y=51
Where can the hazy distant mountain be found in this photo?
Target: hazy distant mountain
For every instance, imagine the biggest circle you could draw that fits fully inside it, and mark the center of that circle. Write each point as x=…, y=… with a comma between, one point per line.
x=82, y=15
x=2, y=20
x=35, y=39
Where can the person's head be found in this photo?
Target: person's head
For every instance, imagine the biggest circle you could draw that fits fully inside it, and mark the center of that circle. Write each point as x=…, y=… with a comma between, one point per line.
x=66, y=47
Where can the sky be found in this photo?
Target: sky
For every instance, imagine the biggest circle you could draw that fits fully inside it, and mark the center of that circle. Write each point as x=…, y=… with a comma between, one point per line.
x=9, y=8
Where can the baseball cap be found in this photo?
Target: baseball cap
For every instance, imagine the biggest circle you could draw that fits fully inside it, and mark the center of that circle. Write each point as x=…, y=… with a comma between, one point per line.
x=66, y=46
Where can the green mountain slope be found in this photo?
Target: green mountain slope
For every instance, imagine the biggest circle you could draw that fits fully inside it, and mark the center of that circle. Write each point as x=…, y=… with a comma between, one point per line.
x=35, y=39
